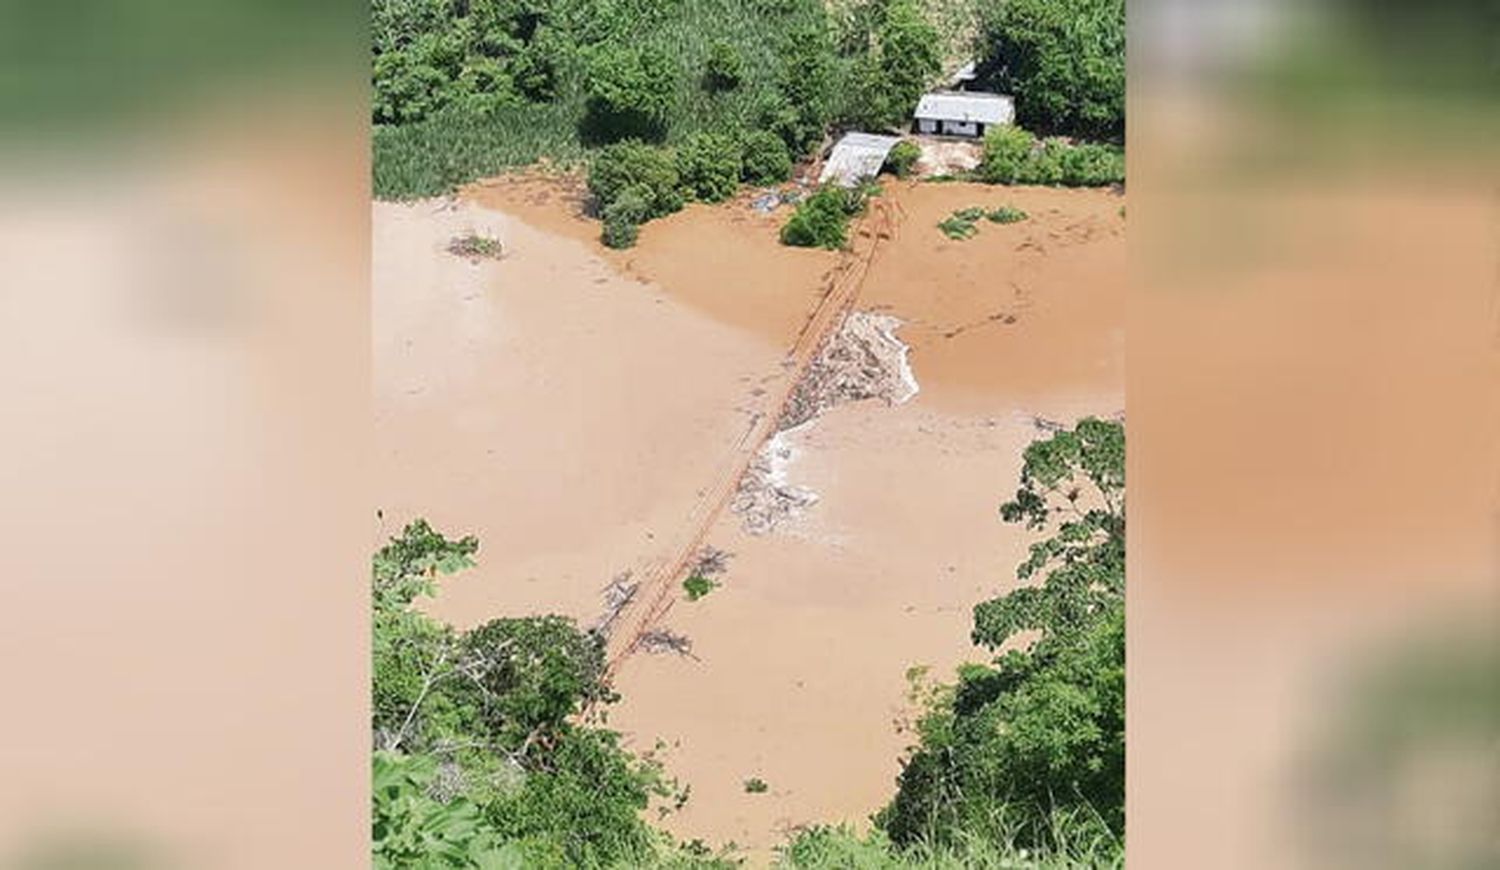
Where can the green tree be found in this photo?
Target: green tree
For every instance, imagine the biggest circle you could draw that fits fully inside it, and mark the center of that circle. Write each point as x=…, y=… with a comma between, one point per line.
x=805, y=81
x=630, y=92
x=1064, y=60
x=482, y=759
x=1034, y=742
x=648, y=170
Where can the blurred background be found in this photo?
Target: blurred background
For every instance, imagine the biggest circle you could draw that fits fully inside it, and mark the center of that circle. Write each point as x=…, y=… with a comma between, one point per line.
x=1314, y=345
x=1313, y=338
x=183, y=349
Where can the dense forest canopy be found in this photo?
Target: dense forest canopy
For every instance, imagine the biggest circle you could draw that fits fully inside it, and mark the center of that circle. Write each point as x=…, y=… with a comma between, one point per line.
x=467, y=88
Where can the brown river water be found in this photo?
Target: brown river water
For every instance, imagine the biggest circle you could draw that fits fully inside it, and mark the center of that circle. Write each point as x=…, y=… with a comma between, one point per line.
x=570, y=405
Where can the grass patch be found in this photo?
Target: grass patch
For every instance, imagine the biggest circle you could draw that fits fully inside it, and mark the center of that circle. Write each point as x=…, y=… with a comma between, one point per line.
x=958, y=228
x=825, y=847
x=756, y=785
x=475, y=246
x=698, y=586
x=961, y=224
x=435, y=156
x=1006, y=214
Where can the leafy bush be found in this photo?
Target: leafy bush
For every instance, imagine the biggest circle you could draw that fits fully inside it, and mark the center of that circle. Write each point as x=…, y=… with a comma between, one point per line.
x=822, y=219
x=1006, y=214
x=629, y=93
x=1093, y=165
x=411, y=828
x=902, y=157
x=725, y=67
x=1013, y=156
x=1006, y=152
x=624, y=216
x=756, y=785
x=764, y=158
x=709, y=166
x=698, y=586
x=1040, y=731
x=649, y=170
x=1063, y=59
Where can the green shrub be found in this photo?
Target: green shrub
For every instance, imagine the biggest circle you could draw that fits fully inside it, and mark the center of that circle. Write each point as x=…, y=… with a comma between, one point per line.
x=629, y=91
x=709, y=166
x=698, y=586
x=724, y=68
x=970, y=214
x=764, y=158
x=1093, y=165
x=623, y=217
x=756, y=785
x=902, y=157
x=1006, y=215
x=1063, y=59
x=822, y=220
x=1013, y=156
x=1006, y=151
x=650, y=170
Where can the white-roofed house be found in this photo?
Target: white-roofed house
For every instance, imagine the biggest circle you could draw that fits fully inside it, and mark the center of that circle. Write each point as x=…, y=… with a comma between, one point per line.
x=962, y=113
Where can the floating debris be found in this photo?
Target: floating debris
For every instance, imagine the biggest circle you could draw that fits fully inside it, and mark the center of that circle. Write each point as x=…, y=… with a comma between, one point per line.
x=617, y=596
x=664, y=640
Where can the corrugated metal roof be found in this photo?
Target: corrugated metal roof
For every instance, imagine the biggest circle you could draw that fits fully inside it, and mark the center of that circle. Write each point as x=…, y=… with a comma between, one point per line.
x=856, y=156
x=967, y=107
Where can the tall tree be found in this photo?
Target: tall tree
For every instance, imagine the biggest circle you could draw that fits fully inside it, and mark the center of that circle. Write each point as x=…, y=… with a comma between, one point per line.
x=1064, y=60
x=1034, y=742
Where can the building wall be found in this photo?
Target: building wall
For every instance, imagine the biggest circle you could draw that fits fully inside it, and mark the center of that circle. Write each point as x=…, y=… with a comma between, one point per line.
x=926, y=125
x=961, y=128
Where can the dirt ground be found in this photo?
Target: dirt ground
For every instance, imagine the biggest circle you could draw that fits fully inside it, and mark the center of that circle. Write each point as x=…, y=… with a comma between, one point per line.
x=569, y=404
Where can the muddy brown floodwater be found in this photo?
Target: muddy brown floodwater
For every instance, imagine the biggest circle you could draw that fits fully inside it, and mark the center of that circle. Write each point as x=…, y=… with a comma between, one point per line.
x=570, y=405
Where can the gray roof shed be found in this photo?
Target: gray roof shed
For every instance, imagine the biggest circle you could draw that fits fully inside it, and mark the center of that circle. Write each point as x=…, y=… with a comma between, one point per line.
x=856, y=156
x=967, y=107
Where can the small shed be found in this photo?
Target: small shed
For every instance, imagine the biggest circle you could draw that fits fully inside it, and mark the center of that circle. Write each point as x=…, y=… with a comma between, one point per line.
x=856, y=156
x=963, y=113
